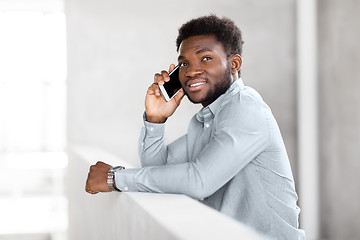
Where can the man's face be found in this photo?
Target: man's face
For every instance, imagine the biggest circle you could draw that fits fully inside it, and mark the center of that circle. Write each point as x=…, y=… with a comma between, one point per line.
x=204, y=69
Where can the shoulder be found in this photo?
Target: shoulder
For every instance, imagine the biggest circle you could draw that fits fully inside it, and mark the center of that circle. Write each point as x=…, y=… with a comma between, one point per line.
x=243, y=103
x=243, y=113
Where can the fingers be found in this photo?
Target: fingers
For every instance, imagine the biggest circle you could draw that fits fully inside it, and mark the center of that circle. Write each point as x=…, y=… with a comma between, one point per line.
x=161, y=78
x=88, y=186
x=154, y=90
x=97, y=178
x=88, y=190
x=171, y=67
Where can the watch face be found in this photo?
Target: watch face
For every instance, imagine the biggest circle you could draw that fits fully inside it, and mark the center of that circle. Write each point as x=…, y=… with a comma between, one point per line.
x=115, y=169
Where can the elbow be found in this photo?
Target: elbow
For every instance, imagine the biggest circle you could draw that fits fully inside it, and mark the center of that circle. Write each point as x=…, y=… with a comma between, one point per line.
x=200, y=192
x=157, y=158
x=199, y=185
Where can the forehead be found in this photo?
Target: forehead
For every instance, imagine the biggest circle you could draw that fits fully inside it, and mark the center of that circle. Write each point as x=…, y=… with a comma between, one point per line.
x=201, y=43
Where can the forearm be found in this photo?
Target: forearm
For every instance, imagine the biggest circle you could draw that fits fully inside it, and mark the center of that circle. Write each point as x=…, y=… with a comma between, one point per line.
x=151, y=147
x=180, y=178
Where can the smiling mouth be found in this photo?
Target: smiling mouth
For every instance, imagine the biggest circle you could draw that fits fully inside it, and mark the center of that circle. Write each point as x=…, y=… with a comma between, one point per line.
x=196, y=84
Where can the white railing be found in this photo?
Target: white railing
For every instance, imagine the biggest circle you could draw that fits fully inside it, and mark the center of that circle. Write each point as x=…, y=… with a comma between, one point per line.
x=139, y=215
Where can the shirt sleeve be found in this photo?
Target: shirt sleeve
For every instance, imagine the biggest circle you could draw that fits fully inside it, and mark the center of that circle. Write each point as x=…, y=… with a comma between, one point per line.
x=152, y=148
x=240, y=135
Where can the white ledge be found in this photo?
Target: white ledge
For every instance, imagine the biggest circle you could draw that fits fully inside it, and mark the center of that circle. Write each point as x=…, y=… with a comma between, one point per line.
x=140, y=215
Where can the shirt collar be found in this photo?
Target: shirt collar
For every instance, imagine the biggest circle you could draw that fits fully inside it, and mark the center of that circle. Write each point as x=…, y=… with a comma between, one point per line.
x=209, y=111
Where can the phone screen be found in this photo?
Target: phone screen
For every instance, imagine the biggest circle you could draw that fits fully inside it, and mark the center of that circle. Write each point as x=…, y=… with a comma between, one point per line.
x=174, y=85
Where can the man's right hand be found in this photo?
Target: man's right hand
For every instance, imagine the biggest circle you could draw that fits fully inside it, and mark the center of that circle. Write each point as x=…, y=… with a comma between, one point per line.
x=156, y=107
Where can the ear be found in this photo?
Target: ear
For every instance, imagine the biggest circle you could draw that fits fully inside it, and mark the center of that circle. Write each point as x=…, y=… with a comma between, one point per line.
x=236, y=62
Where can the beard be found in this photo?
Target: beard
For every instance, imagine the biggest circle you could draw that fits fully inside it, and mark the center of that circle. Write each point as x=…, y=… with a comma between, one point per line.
x=219, y=88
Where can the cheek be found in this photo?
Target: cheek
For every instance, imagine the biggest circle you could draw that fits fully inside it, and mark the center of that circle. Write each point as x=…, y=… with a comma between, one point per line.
x=217, y=71
x=182, y=78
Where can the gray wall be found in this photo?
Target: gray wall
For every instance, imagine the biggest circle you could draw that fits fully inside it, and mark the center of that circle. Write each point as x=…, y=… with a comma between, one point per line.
x=339, y=109
x=115, y=47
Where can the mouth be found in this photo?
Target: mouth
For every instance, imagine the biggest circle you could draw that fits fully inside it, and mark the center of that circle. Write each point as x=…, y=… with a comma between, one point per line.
x=195, y=85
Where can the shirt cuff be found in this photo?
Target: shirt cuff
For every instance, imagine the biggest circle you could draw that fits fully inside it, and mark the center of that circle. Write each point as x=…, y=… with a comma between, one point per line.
x=153, y=129
x=124, y=180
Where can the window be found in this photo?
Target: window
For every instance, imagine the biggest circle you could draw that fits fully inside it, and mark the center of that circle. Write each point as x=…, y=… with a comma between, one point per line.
x=32, y=122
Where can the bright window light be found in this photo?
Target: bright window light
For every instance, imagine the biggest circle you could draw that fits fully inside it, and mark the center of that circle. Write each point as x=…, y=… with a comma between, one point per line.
x=32, y=81
x=32, y=124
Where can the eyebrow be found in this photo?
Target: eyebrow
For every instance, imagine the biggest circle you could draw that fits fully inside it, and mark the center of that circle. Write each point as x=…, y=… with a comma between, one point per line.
x=197, y=52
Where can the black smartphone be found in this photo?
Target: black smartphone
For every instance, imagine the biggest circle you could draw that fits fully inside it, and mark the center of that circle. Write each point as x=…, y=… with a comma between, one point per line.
x=171, y=88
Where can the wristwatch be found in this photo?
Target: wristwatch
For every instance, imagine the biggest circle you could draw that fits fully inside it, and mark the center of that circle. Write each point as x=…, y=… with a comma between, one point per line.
x=111, y=179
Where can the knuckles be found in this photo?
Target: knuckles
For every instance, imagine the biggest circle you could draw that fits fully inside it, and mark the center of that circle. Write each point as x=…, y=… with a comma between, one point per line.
x=97, y=166
x=161, y=76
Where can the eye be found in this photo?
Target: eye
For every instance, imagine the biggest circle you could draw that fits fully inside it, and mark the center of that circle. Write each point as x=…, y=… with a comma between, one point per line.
x=183, y=64
x=207, y=58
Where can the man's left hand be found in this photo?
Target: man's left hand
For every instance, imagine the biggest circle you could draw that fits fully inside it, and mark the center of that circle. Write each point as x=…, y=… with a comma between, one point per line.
x=97, y=178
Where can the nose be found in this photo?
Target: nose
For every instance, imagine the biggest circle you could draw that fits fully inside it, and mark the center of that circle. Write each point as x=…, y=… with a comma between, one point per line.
x=193, y=70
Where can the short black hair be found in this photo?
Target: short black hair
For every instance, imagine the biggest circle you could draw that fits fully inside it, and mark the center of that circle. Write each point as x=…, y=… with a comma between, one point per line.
x=224, y=29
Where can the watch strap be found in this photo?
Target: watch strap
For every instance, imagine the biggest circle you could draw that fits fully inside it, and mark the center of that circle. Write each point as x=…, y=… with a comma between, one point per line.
x=111, y=178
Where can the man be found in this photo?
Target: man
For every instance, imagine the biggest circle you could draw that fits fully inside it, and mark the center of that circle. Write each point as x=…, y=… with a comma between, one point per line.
x=233, y=158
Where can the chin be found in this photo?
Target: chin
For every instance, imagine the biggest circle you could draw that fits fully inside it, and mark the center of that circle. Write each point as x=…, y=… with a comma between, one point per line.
x=193, y=100
x=200, y=101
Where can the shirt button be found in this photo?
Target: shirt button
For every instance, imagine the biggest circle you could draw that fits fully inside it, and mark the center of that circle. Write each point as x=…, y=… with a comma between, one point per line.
x=151, y=129
x=207, y=125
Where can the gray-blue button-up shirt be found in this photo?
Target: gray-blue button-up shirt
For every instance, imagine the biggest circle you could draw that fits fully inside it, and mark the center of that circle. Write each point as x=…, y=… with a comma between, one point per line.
x=232, y=158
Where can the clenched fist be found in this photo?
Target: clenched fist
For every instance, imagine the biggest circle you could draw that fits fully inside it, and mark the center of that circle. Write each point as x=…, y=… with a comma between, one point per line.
x=97, y=178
